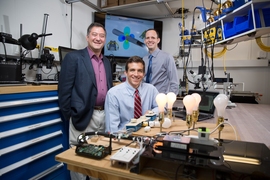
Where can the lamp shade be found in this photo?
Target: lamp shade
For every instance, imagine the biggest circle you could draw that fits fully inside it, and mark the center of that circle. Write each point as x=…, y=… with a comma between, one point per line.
x=197, y=100
x=29, y=42
x=189, y=102
x=171, y=97
x=221, y=102
x=161, y=100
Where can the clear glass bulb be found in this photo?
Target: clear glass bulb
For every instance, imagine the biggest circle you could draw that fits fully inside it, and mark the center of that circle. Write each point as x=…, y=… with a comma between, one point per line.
x=171, y=97
x=161, y=100
x=189, y=102
x=198, y=100
x=221, y=102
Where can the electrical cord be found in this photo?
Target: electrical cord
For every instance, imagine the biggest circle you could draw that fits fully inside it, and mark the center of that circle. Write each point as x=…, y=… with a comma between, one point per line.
x=216, y=54
x=232, y=48
x=183, y=131
x=71, y=22
x=4, y=45
x=262, y=45
x=223, y=124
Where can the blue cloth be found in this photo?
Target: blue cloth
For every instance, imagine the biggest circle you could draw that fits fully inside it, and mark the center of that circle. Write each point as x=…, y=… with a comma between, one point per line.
x=149, y=70
x=119, y=104
x=164, y=72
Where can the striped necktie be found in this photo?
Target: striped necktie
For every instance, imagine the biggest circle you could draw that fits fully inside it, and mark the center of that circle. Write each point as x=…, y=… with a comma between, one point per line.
x=137, y=105
x=149, y=70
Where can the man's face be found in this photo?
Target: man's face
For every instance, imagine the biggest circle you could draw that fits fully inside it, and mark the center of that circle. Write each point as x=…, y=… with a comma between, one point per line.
x=96, y=39
x=151, y=40
x=135, y=74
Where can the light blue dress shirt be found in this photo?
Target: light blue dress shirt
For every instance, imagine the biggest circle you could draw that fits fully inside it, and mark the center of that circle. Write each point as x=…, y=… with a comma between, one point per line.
x=119, y=104
x=164, y=72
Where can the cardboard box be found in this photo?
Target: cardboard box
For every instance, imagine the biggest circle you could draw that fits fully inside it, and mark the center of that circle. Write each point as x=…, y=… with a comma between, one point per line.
x=122, y=2
x=109, y=3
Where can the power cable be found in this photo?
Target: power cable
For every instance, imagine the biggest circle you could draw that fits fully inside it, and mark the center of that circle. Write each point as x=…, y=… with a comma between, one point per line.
x=262, y=45
x=71, y=22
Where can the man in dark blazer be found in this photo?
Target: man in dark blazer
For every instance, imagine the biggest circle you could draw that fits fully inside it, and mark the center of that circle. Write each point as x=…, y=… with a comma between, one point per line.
x=84, y=80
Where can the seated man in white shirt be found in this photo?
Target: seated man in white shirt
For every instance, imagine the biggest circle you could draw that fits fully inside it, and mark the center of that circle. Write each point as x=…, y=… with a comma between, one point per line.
x=119, y=103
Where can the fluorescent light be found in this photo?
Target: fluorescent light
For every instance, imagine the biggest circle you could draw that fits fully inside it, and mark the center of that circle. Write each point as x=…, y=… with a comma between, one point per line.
x=242, y=159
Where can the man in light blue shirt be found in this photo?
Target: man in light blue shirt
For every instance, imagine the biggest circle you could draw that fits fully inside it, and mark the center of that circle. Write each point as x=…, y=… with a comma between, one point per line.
x=162, y=70
x=119, y=103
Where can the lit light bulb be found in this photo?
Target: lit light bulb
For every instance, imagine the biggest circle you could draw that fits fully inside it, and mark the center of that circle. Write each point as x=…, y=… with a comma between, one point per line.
x=221, y=102
x=189, y=102
x=161, y=100
x=171, y=97
x=197, y=99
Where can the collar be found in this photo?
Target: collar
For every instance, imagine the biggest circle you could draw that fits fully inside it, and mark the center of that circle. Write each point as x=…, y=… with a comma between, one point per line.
x=92, y=54
x=154, y=54
x=131, y=90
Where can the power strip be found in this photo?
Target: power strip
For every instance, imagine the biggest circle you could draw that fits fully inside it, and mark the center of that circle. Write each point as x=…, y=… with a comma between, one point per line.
x=197, y=140
x=125, y=155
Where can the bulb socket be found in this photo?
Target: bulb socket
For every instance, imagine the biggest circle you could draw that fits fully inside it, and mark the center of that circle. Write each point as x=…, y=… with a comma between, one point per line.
x=189, y=120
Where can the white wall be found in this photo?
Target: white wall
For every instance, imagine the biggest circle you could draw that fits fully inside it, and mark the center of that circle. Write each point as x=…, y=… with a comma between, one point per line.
x=30, y=13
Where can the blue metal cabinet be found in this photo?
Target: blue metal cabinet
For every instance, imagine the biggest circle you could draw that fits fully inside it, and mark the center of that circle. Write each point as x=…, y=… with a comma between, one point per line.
x=31, y=134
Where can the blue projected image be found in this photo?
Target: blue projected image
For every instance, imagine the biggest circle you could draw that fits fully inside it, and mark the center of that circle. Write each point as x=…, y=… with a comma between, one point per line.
x=125, y=36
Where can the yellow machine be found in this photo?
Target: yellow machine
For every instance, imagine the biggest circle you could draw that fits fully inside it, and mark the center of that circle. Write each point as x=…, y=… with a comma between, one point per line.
x=213, y=35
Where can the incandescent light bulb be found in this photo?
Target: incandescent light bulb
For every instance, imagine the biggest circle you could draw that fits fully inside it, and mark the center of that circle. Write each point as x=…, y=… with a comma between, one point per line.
x=161, y=100
x=197, y=99
x=221, y=102
x=171, y=97
x=189, y=102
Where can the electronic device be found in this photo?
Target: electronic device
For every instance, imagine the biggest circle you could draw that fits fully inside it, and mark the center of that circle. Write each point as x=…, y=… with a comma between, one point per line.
x=10, y=71
x=206, y=106
x=177, y=142
x=125, y=35
x=92, y=151
x=63, y=52
x=125, y=155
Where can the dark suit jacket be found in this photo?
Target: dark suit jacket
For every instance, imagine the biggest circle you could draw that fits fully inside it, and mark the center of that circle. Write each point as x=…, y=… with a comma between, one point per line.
x=77, y=89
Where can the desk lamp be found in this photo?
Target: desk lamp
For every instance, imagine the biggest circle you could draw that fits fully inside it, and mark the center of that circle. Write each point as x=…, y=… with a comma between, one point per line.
x=171, y=97
x=195, y=112
x=161, y=100
x=189, y=102
x=220, y=102
x=28, y=41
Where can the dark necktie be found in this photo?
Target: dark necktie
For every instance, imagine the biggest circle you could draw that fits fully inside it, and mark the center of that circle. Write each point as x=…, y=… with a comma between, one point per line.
x=137, y=105
x=149, y=70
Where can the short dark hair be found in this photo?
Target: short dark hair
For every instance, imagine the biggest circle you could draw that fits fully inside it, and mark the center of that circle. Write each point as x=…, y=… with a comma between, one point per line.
x=151, y=29
x=135, y=59
x=95, y=24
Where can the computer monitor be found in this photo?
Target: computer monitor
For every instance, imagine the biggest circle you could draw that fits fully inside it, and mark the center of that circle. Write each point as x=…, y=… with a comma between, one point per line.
x=207, y=100
x=63, y=52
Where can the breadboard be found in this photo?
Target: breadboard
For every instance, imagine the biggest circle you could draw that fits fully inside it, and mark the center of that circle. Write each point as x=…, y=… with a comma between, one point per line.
x=124, y=155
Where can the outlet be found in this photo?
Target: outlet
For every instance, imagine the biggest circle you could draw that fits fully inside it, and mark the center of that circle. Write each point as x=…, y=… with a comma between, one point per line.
x=262, y=55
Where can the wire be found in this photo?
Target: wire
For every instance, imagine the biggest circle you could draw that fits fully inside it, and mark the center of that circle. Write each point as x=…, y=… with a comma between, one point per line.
x=216, y=54
x=183, y=131
x=223, y=124
x=71, y=22
x=262, y=45
x=232, y=48
x=4, y=45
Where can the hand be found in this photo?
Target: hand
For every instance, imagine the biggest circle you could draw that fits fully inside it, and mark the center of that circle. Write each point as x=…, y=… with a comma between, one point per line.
x=149, y=112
